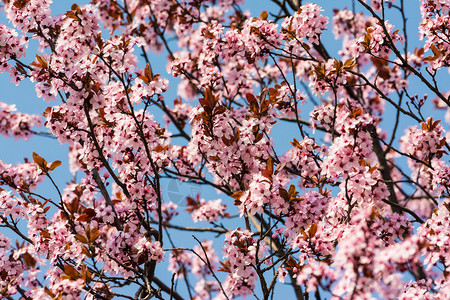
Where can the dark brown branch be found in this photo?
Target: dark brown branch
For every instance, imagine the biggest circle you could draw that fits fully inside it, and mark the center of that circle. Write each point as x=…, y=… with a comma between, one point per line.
x=384, y=169
x=165, y=288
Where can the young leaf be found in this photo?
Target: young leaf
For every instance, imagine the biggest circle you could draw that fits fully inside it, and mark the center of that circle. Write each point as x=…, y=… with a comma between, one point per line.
x=238, y=195
x=148, y=72
x=54, y=165
x=71, y=272
x=264, y=15
x=312, y=230
x=280, y=167
x=39, y=161
x=94, y=234
x=81, y=238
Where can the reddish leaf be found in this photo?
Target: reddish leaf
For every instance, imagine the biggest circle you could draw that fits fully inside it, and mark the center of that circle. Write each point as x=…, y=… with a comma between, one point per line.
x=54, y=165
x=210, y=99
x=270, y=164
x=267, y=173
x=81, y=238
x=28, y=259
x=279, y=167
x=93, y=235
x=264, y=15
x=291, y=191
x=44, y=233
x=219, y=110
x=312, y=230
x=227, y=141
x=39, y=161
x=203, y=102
x=20, y=3
x=71, y=272
x=144, y=79
x=3, y=274
x=250, y=98
x=48, y=292
x=296, y=143
x=291, y=262
x=284, y=194
x=84, y=218
x=85, y=274
x=148, y=72
x=226, y=267
x=86, y=251
x=238, y=195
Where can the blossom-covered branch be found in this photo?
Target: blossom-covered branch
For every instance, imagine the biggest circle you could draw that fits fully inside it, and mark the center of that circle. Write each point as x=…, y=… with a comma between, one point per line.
x=292, y=151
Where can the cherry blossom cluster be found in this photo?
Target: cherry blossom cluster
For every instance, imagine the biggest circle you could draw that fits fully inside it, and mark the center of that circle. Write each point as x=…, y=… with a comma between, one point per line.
x=21, y=177
x=435, y=231
x=12, y=269
x=10, y=47
x=329, y=77
x=441, y=179
x=230, y=144
x=304, y=157
x=351, y=159
x=338, y=203
x=17, y=125
x=376, y=4
x=434, y=28
x=347, y=23
x=27, y=15
x=11, y=207
x=307, y=210
x=242, y=252
x=205, y=288
x=207, y=210
x=426, y=142
x=375, y=40
x=305, y=25
x=257, y=37
x=201, y=261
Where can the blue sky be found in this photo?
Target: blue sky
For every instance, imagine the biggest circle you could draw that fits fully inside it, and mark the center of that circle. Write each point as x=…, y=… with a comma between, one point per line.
x=26, y=101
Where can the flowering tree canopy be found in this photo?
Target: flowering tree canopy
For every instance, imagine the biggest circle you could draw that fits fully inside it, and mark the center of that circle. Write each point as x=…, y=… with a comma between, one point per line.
x=323, y=174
